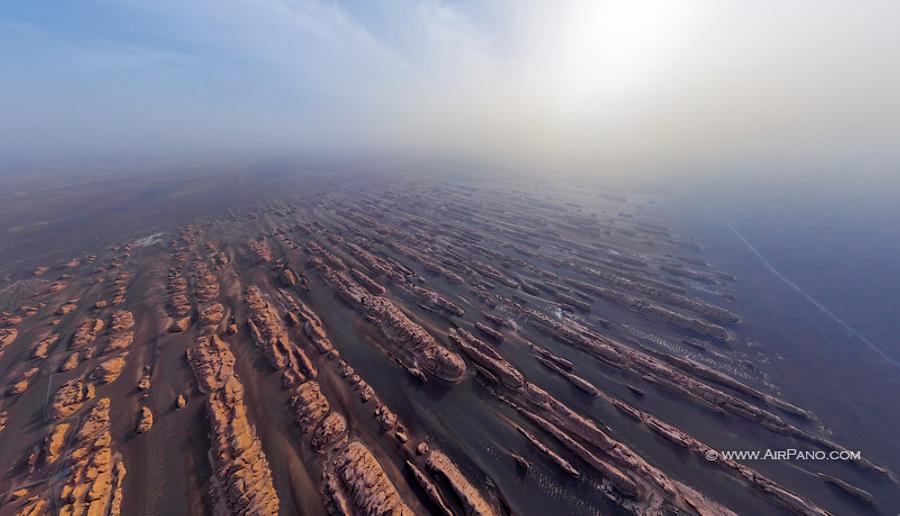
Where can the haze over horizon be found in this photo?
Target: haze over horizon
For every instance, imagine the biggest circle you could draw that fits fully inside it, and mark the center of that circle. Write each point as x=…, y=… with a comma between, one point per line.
x=413, y=257
x=576, y=85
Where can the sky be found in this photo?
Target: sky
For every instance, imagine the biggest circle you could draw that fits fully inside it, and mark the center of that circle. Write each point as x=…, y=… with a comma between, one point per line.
x=564, y=85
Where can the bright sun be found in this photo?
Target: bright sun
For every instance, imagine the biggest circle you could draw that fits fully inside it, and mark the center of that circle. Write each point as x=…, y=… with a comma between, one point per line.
x=607, y=52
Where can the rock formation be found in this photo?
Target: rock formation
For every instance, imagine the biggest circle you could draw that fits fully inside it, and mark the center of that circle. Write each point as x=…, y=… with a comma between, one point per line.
x=470, y=497
x=94, y=474
x=22, y=382
x=70, y=397
x=259, y=249
x=86, y=333
x=243, y=480
x=145, y=421
x=43, y=347
x=398, y=327
x=206, y=285
x=355, y=483
x=119, y=335
x=179, y=305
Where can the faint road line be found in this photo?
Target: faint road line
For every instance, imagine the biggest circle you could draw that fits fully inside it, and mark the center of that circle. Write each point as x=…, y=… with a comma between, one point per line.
x=824, y=309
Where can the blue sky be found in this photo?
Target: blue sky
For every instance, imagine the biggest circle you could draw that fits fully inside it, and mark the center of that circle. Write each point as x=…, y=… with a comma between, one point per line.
x=570, y=82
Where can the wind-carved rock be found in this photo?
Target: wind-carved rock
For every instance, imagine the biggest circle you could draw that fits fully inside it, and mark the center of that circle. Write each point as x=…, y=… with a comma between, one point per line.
x=7, y=336
x=399, y=329
x=487, y=357
x=259, y=249
x=375, y=264
x=206, y=285
x=53, y=444
x=287, y=277
x=370, y=284
x=656, y=311
x=330, y=433
x=71, y=362
x=310, y=405
x=120, y=334
x=490, y=332
x=212, y=362
x=435, y=300
x=42, y=350
x=312, y=325
x=472, y=500
x=267, y=328
x=355, y=483
x=145, y=421
x=242, y=478
x=676, y=299
x=70, y=397
x=86, y=333
x=94, y=474
x=179, y=304
x=21, y=383
x=271, y=336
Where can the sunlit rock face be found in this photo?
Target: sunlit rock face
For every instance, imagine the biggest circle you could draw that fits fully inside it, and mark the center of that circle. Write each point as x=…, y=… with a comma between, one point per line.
x=390, y=346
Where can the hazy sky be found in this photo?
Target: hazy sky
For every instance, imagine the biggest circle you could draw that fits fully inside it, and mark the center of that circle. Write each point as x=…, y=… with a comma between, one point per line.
x=558, y=83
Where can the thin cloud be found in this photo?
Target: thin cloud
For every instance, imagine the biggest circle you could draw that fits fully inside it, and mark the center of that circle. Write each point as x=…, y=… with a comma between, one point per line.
x=578, y=84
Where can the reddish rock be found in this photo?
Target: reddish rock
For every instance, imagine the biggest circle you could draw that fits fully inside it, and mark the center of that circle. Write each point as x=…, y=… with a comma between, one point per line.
x=243, y=480
x=574, y=379
x=22, y=382
x=490, y=332
x=206, y=285
x=7, y=336
x=86, y=333
x=212, y=362
x=287, y=277
x=487, y=357
x=267, y=329
x=432, y=490
x=95, y=475
x=67, y=308
x=42, y=350
x=211, y=315
x=310, y=405
x=472, y=500
x=71, y=362
x=180, y=325
x=355, y=483
x=144, y=383
x=145, y=421
x=370, y=284
x=399, y=328
x=120, y=333
x=330, y=433
x=109, y=370
x=70, y=397
x=259, y=249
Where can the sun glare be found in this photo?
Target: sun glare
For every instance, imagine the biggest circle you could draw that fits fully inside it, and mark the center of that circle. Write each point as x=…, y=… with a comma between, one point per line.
x=604, y=54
